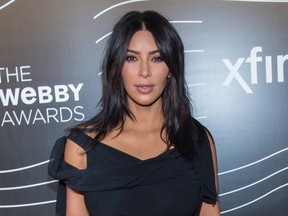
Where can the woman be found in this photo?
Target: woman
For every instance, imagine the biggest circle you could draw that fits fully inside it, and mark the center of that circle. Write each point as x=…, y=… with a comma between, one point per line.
x=142, y=153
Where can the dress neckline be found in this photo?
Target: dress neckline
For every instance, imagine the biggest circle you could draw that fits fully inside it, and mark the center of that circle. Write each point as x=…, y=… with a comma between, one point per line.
x=132, y=156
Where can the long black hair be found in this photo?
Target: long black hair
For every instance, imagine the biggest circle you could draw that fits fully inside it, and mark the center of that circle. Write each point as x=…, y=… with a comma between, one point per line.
x=113, y=106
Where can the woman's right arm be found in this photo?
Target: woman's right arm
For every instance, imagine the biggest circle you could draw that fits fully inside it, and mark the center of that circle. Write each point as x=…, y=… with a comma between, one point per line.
x=76, y=156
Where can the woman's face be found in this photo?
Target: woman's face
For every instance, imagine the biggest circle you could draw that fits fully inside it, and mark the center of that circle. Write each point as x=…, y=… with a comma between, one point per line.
x=144, y=72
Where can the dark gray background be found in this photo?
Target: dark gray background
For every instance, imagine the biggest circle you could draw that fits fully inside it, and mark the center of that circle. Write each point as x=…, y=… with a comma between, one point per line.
x=57, y=40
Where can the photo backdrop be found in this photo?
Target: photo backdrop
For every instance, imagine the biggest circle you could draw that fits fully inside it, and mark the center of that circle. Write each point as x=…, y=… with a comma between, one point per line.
x=236, y=55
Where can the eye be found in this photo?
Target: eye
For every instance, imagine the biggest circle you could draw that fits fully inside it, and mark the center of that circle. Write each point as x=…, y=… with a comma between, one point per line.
x=131, y=58
x=157, y=59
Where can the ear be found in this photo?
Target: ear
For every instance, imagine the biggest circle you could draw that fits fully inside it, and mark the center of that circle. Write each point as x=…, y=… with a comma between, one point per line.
x=169, y=75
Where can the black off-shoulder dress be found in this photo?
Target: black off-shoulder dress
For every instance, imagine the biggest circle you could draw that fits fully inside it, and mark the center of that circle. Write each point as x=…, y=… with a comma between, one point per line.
x=118, y=184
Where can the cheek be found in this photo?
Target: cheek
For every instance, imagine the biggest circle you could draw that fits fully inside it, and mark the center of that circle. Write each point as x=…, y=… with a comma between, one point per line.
x=162, y=73
x=129, y=71
x=125, y=74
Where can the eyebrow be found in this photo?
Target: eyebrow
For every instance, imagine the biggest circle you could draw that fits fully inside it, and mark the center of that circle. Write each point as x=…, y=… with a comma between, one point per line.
x=137, y=52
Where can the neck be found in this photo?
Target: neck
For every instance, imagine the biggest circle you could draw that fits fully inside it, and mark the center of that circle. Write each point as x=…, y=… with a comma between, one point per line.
x=147, y=118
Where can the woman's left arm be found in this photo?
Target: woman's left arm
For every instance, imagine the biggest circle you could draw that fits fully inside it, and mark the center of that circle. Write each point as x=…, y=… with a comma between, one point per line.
x=212, y=209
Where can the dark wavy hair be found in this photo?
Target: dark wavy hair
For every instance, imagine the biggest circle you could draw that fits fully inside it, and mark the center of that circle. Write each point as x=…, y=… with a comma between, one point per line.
x=113, y=106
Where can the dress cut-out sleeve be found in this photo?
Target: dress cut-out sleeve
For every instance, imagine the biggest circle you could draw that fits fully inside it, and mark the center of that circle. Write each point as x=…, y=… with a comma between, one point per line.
x=205, y=169
x=63, y=171
x=60, y=169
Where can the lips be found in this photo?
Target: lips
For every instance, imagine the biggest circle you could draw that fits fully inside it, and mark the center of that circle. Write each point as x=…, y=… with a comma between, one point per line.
x=144, y=88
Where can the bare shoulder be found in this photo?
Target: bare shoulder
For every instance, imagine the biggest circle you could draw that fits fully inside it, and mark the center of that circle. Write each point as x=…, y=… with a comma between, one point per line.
x=75, y=155
x=210, y=138
x=212, y=209
x=214, y=154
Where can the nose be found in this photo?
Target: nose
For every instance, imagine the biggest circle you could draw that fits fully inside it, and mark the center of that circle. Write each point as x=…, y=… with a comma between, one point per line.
x=144, y=70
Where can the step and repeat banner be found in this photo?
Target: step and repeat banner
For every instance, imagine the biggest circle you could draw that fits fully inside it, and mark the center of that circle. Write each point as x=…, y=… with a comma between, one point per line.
x=236, y=68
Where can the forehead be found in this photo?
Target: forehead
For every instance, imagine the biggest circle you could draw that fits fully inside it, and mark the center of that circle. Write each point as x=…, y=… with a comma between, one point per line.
x=142, y=39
